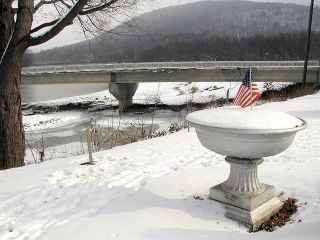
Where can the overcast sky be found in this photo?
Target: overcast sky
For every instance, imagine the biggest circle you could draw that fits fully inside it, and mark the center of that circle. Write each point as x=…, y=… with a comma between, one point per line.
x=72, y=34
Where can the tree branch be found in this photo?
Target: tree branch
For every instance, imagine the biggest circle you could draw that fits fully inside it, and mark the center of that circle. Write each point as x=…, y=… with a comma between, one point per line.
x=44, y=2
x=66, y=4
x=60, y=24
x=44, y=25
x=98, y=8
x=23, y=21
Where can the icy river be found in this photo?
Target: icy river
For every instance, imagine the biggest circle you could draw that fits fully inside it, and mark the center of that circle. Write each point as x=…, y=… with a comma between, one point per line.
x=61, y=133
x=44, y=92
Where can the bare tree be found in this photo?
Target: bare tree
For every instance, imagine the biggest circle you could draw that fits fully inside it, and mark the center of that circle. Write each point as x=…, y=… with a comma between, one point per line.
x=19, y=30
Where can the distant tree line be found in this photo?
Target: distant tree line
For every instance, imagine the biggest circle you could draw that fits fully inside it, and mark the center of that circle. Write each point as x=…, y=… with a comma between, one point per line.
x=203, y=30
x=280, y=47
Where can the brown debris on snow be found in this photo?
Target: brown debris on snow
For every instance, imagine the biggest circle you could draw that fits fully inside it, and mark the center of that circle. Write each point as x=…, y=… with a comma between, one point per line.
x=279, y=219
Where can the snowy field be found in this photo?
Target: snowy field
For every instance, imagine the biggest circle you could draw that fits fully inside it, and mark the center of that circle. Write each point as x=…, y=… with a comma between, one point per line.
x=146, y=190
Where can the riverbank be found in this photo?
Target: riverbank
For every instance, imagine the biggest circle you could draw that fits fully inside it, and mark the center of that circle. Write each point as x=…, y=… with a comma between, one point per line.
x=55, y=129
x=171, y=96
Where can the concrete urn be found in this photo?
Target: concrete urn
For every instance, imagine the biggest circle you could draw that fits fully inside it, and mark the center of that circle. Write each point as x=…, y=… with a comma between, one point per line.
x=245, y=136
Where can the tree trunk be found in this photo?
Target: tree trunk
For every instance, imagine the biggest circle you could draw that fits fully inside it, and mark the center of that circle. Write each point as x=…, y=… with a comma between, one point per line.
x=12, y=140
x=13, y=44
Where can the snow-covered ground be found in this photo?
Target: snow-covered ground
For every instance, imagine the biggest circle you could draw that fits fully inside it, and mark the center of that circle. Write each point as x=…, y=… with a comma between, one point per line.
x=146, y=190
x=62, y=132
x=166, y=93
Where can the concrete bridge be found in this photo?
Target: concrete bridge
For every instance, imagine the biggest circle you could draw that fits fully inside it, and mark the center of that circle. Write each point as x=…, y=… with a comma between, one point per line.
x=123, y=78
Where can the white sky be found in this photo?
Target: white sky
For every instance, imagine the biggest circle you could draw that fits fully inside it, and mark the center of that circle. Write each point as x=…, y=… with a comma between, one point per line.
x=73, y=34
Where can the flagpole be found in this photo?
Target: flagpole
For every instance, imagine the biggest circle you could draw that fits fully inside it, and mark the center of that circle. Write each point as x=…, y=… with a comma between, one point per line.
x=250, y=85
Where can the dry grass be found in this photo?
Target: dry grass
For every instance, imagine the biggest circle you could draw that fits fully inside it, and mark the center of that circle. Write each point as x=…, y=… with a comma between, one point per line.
x=291, y=91
x=103, y=140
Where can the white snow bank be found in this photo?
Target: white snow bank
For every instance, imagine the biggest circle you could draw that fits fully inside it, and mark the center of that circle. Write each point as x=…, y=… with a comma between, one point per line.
x=42, y=122
x=244, y=118
x=146, y=190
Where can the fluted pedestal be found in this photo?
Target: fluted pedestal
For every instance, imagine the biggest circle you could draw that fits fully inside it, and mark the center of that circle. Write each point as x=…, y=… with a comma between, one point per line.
x=246, y=199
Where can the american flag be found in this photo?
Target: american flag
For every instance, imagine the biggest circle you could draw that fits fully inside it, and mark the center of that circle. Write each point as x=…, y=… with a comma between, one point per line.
x=248, y=92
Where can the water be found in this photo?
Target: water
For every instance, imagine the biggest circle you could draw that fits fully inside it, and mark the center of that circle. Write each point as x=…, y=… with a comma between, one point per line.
x=43, y=92
x=69, y=140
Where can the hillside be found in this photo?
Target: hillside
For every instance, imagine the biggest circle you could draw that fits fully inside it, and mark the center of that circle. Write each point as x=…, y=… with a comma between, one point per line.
x=213, y=20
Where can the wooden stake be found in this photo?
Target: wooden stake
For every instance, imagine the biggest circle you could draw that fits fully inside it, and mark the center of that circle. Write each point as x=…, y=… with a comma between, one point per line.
x=89, y=137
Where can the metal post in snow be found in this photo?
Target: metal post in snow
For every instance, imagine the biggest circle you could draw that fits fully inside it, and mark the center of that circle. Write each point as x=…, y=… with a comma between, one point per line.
x=308, y=45
x=250, y=84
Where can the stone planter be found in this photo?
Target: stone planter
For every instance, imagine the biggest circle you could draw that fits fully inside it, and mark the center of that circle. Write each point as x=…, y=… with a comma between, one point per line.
x=246, y=199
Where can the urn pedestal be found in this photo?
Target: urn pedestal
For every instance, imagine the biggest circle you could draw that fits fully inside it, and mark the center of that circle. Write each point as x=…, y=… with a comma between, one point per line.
x=235, y=134
x=246, y=199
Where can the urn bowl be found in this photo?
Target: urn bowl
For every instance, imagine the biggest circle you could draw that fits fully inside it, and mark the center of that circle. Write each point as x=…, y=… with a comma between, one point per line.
x=238, y=139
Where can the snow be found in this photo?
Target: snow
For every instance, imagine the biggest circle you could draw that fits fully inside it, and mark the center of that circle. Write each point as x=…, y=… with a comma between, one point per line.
x=244, y=118
x=42, y=122
x=166, y=93
x=146, y=190
x=200, y=92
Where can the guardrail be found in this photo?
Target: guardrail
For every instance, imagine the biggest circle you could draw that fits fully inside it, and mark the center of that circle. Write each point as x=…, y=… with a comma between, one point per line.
x=93, y=67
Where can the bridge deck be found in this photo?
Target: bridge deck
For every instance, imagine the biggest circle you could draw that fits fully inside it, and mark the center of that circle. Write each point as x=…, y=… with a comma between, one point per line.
x=120, y=67
x=214, y=71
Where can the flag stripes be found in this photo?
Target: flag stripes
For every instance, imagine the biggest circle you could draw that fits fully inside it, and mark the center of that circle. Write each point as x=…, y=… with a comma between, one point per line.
x=248, y=92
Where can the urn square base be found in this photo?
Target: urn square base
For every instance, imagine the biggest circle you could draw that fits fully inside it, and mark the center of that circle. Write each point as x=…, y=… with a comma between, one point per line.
x=248, y=209
x=245, y=200
x=255, y=218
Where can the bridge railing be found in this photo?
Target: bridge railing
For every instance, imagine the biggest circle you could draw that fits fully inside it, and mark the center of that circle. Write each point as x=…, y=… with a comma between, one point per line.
x=95, y=67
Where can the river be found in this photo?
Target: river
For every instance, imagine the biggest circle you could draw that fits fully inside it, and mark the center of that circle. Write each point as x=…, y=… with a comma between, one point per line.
x=43, y=92
x=68, y=139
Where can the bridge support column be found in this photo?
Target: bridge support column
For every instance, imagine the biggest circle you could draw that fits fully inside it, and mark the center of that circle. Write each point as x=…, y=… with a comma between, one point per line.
x=124, y=93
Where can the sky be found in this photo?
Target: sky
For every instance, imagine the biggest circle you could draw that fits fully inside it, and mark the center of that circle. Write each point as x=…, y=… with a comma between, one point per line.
x=73, y=34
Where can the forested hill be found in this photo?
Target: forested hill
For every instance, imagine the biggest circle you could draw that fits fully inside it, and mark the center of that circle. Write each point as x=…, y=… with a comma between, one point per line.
x=212, y=24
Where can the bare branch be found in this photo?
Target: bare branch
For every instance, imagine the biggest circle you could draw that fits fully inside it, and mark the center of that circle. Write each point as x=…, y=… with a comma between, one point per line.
x=59, y=10
x=44, y=25
x=83, y=28
x=98, y=8
x=44, y=2
x=60, y=25
x=66, y=4
x=78, y=8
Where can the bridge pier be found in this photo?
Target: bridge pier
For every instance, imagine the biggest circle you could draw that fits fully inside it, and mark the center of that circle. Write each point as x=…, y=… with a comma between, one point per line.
x=123, y=92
